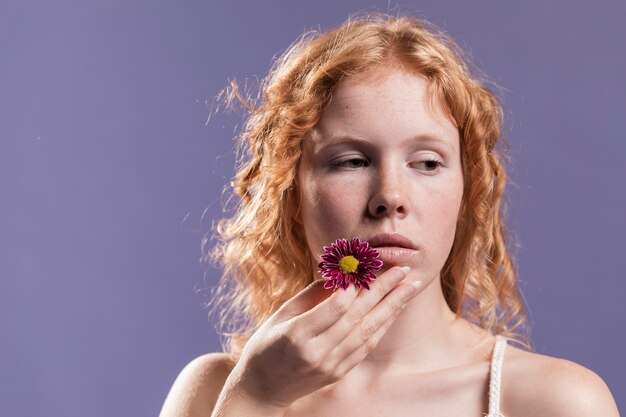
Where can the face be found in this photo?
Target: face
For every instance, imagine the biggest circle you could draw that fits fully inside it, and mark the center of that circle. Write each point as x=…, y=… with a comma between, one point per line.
x=383, y=164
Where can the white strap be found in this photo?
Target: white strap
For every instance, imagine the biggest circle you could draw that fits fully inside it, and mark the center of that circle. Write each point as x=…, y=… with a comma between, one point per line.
x=495, y=377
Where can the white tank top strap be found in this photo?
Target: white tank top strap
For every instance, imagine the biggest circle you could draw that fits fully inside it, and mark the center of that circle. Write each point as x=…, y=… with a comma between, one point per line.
x=495, y=377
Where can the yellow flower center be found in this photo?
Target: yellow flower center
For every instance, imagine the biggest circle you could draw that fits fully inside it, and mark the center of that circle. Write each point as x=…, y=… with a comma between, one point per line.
x=348, y=264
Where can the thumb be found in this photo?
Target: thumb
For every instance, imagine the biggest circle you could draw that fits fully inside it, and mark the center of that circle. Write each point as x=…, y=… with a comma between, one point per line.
x=306, y=299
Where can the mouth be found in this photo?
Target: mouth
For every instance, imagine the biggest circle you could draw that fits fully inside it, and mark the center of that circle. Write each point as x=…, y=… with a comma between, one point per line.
x=391, y=240
x=394, y=249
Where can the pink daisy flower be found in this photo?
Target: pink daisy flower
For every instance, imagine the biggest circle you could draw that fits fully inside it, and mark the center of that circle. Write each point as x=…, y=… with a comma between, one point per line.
x=349, y=261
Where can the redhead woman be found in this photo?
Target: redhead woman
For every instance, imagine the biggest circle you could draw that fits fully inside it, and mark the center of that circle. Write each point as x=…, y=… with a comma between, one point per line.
x=376, y=130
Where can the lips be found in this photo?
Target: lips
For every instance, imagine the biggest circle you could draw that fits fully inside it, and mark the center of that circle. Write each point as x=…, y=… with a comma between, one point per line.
x=394, y=249
x=391, y=240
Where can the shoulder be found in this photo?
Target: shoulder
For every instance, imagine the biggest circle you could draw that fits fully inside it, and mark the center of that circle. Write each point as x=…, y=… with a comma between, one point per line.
x=540, y=385
x=197, y=388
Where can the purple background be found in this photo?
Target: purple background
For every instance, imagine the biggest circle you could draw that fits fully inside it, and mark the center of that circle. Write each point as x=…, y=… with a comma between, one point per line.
x=106, y=167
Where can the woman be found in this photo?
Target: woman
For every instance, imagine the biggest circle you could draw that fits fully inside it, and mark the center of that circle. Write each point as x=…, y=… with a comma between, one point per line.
x=375, y=130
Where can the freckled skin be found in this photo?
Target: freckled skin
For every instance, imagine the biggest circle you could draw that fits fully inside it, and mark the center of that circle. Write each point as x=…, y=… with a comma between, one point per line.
x=363, y=169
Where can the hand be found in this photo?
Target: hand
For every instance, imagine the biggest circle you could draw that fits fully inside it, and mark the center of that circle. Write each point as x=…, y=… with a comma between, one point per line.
x=317, y=337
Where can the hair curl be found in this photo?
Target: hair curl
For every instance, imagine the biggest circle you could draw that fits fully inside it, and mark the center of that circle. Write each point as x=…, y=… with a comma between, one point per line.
x=262, y=249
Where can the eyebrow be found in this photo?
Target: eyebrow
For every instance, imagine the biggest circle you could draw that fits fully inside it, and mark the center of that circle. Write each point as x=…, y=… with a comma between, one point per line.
x=428, y=138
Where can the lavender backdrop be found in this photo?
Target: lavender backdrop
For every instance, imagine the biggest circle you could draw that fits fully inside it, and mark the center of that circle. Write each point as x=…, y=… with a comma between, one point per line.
x=106, y=167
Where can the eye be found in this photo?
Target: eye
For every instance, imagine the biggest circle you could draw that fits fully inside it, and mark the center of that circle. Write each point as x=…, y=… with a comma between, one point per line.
x=428, y=165
x=351, y=163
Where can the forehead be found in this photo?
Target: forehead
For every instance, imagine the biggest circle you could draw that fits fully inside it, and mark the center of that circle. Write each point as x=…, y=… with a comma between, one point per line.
x=384, y=87
x=385, y=103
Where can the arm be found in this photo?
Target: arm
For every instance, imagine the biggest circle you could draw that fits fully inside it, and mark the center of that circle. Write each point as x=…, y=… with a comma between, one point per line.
x=233, y=403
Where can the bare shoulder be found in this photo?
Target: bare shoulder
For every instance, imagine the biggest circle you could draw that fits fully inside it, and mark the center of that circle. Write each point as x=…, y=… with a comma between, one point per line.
x=197, y=388
x=539, y=385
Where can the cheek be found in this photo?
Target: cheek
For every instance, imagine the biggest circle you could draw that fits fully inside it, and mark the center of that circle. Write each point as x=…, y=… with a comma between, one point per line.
x=444, y=213
x=329, y=210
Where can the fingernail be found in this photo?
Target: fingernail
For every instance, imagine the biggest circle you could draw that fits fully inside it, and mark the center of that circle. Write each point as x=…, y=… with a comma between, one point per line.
x=405, y=269
x=416, y=284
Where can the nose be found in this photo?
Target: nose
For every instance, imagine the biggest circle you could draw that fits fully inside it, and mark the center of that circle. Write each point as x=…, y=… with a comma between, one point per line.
x=389, y=194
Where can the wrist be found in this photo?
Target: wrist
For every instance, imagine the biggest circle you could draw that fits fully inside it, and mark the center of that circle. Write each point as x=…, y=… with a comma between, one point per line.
x=250, y=390
x=235, y=402
x=242, y=398
x=269, y=408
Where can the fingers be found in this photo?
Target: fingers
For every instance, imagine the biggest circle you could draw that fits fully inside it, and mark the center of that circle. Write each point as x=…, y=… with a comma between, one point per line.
x=327, y=312
x=369, y=312
x=365, y=338
x=310, y=297
x=337, y=315
x=365, y=335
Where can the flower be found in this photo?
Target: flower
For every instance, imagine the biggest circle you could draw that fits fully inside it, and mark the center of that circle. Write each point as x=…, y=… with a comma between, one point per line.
x=347, y=261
